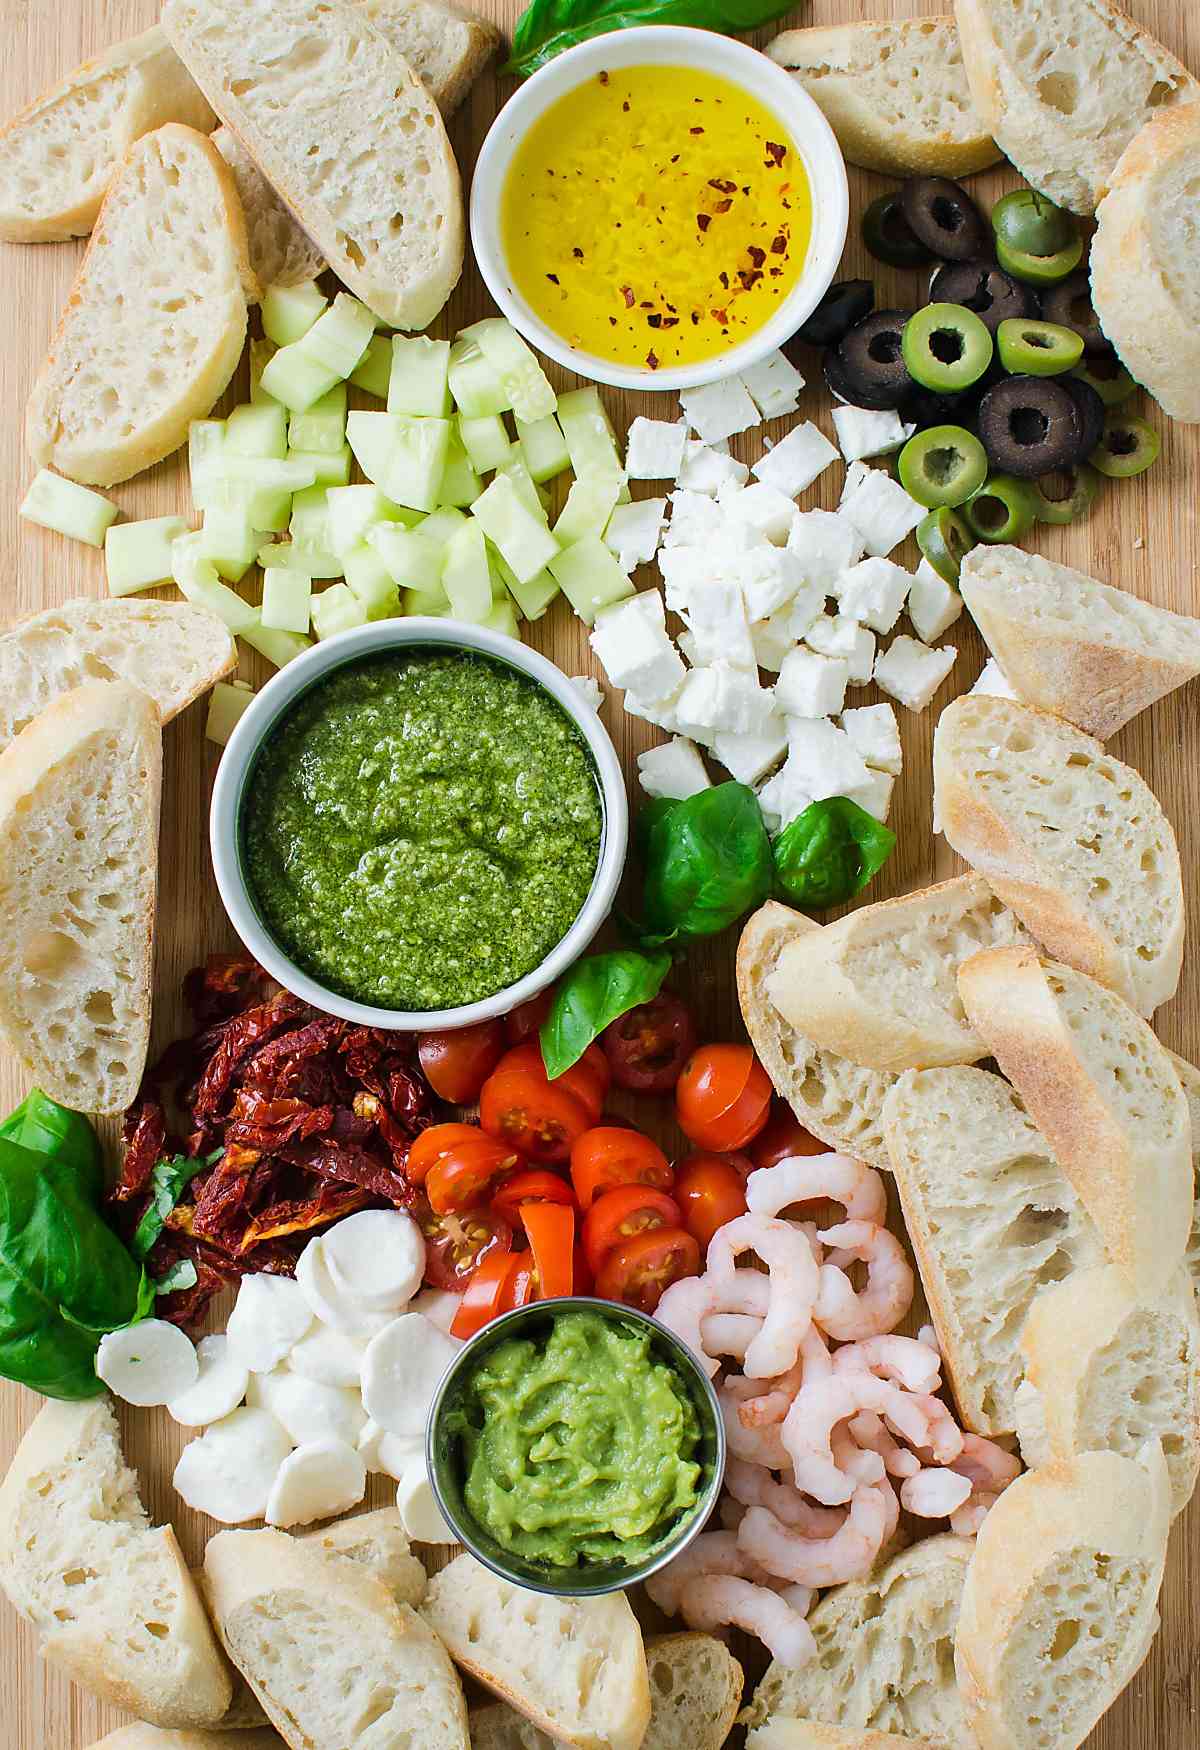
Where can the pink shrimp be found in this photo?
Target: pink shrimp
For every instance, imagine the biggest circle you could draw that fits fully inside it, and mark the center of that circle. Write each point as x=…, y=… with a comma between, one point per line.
x=945, y=1439
x=793, y=1286
x=934, y=1494
x=847, y=1555
x=713, y=1552
x=911, y=1364
x=989, y=1469
x=731, y=1512
x=831, y=1178
x=854, y=1460
x=682, y=1310
x=711, y=1601
x=870, y=1433
x=817, y=1410
x=878, y=1309
x=755, y=1445
x=726, y=1333
x=753, y=1486
x=814, y=1363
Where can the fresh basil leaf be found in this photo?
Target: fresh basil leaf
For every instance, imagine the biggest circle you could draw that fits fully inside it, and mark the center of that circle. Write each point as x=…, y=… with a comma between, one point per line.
x=829, y=853
x=169, y=1179
x=598, y=989
x=42, y=1125
x=707, y=863
x=547, y=27
x=179, y=1276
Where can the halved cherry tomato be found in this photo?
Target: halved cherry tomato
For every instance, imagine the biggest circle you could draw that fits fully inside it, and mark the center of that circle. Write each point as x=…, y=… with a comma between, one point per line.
x=710, y=1191
x=534, y=1185
x=551, y=1230
x=619, y=1214
x=455, y=1245
x=611, y=1155
x=433, y=1145
x=723, y=1097
x=588, y=1078
x=524, y=1021
x=783, y=1137
x=483, y=1296
x=460, y=1178
x=538, y=1117
x=640, y=1271
x=649, y=1045
x=585, y=1281
x=457, y=1064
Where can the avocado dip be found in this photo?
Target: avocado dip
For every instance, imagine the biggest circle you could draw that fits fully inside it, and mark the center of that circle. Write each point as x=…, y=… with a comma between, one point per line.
x=421, y=828
x=580, y=1447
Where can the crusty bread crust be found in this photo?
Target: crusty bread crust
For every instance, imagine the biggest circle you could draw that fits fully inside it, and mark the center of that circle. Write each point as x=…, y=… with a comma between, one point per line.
x=783, y=1733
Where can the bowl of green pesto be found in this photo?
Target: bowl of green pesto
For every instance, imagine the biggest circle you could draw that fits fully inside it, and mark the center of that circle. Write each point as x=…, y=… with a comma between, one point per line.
x=575, y=1446
x=418, y=824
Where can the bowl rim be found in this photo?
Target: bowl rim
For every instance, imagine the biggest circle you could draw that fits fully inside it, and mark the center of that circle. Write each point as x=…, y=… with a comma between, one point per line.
x=573, y=1582
x=707, y=51
x=276, y=697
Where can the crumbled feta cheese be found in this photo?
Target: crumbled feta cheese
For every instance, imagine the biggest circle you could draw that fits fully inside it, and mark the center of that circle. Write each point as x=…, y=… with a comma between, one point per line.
x=911, y=672
x=689, y=648
x=674, y=770
x=654, y=449
x=771, y=577
x=716, y=617
x=933, y=604
x=771, y=644
x=796, y=460
x=635, y=650
x=845, y=638
x=861, y=431
x=879, y=508
x=783, y=797
x=875, y=796
x=873, y=593
x=683, y=570
x=591, y=689
x=634, y=531
x=707, y=468
x=695, y=520
x=719, y=410
x=876, y=735
x=826, y=545
x=750, y=757
x=761, y=508
x=810, y=685
x=826, y=760
x=721, y=697
x=774, y=384
x=993, y=682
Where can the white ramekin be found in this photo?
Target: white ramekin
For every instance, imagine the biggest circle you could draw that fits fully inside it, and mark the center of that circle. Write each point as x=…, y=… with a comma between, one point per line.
x=284, y=688
x=664, y=46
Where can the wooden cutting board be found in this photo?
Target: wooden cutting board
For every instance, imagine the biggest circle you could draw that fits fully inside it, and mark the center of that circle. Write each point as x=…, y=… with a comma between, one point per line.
x=1142, y=535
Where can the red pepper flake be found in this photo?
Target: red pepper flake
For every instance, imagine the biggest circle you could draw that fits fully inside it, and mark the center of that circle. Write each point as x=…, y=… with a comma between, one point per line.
x=779, y=244
x=675, y=158
x=669, y=322
x=654, y=320
x=612, y=322
x=775, y=154
x=724, y=279
x=603, y=77
x=722, y=206
x=695, y=130
x=757, y=255
x=627, y=294
x=722, y=185
x=703, y=221
x=625, y=107
x=775, y=272
x=749, y=277
x=652, y=360
x=554, y=279
x=695, y=318
x=577, y=253
x=721, y=316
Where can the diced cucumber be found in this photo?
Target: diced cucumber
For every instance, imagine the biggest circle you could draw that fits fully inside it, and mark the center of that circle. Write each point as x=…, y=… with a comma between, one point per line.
x=197, y=579
x=327, y=470
x=525, y=383
x=229, y=541
x=543, y=447
x=355, y=509
x=261, y=488
x=68, y=509
x=460, y=484
x=373, y=370
x=288, y=312
x=295, y=378
x=287, y=599
x=257, y=431
x=323, y=427
x=225, y=707
x=206, y=447
x=590, y=503
x=590, y=577
x=443, y=524
x=486, y=441
x=501, y=617
x=403, y=456
x=309, y=529
x=516, y=471
x=286, y=553
x=522, y=538
x=138, y=555
x=408, y=556
x=337, y=609
x=419, y=381
x=338, y=339
x=533, y=596
x=278, y=647
x=261, y=354
x=588, y=434
x=372, y=583
x=466, y=578
x=476, y=388
x=434, y=602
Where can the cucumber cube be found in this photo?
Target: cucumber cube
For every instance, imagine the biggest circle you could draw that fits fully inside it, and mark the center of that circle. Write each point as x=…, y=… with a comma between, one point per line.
x=502, y=618
x=460, y=483
x=138, y=555
x=206, y=448
x=543, y=447
x=261, y=488
x=198, y=581
x=309, y=529
x=524, y=381
x=522, y=538
x=372, y=583
x=444, y=523
x=433, y=602
x=419, y=381
x=588, y=434
x=590, y=577
x=408, y=556
x=278, y=647
x=68, y=509
x=533, y=596
x=225, y=707
x=590, y=503
x=355, y=509
x=486, y=441
x=466, y=577
x=338, y=339
x=373, y=371
x=403, y=456
x=257, y=431
x=323, y=427
x=516, y=471
x=229, y=542
x=309, y=560
x=261, y=354
x=288, y=312
x=328, y=470
x=337, y=609
x=476, y=388
x=296, y=378
x=287, y=599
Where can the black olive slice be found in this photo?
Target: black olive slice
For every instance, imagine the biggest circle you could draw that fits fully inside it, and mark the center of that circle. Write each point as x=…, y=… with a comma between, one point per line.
x=1092, y=415
x=981, y=286
x=870, y=369
x=1070, y=305
x=1030, y=426
x=887, y=235
x=842, y=306
x=943, y=217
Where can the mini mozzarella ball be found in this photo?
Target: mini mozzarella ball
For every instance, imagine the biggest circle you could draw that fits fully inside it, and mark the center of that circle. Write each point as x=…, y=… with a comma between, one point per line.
x=330, y=1356
x=268, y=1321
x=318, y=1481
x=368, y=1445
x=330, y=1303
x=228, y=1473
x=401, y=1371
x=218, y=1391
x=147, y=1363
x=417, y=1506
x=262, y=1389
x=311, y=1411
x=398, y=1453
x=439, y=1306
x=376, y=1256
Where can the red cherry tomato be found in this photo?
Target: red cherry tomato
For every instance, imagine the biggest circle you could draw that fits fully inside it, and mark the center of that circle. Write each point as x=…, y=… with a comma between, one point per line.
x=432, y=1146
x=551, y=1231
x=456, y=1065
x=538, y=1117
x=534, y=1185
x=460, y=1179
x=483, y=1296
x=640, y=1270
x=524, y=1021
x=723, y=1097
x=619, y=1214
x=611, y=1155
x=585, y=1281
x=710, y=1191
x=648, y=1046
x=588, y=1078
x=455, y=1245
x=783, y=1137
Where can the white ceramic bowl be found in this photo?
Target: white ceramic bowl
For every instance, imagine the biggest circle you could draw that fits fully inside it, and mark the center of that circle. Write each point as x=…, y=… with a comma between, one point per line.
x=664, y=46
x=274, y=700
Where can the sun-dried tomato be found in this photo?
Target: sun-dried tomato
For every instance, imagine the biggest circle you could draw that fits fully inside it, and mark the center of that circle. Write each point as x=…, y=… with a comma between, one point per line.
x=222, y=986
x=260, y=1122
x=239, y=1037
x=296, y=1215
x=145, y=1143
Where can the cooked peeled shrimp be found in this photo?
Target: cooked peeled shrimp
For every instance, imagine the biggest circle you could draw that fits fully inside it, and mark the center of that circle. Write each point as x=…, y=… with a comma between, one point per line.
x=817, y=1410
x=913, y=1365
x=934, y=1494
x=775, y=1400
x=713, y=1600
x=726, y=1333
x=847, y=1555
x=989, y=1469
x=713, y=1552
x=831, y=1178
x=753, y=1486
x=968, y=1520
x=732, y=1512
x=682, y=1309
x=945, y=1438
x=870, y=1433
x=929, y=1337
x=799, y=1597
x=755, y=1445
x=856, y=1461
x=878, y=1309
x=793, y=1283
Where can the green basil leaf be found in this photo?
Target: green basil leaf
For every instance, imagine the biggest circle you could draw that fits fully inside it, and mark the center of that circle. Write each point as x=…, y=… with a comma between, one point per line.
x=829, y=853
x=42, y=1125
x=598, y=989
x=547, y=27
x=179, y=1276
x=707, y=863
x=169, y=1179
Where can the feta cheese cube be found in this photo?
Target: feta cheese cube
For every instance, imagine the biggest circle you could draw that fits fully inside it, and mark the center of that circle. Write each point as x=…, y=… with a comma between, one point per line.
x=695, y=520
x=873, y=593
x=635, y=650
x=706, y=469
x=879, y=508
x=771, y=644
x=796, y=460
x=875, y=796
x=721, y=697
x=750, y=757
x=634, y=531
x=774, y=637
x=811, y=685
x=591, y=689
x=719, y=410
x=826, y=760
x=783, y=797
x=674, y=770
x=770, y=578
x=992, y=681
x=716, y=618
x=774, y=384
x=761, y=508
x=689, y=648
x=933, y=604
x=826, y=545
x=911, y=672
x=876, y=735
x=861, y=431
x=654, y=449
x=683, y=570
x=845, y=638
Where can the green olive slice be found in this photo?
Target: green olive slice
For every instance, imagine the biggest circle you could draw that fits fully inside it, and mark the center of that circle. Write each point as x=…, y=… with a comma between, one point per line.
x=945, y=540
x=1083, y=483
x=1029, y=223
x=1037, y=349
x=1109, y=378
x=946, y=347
x=1003, y=510
x=1040, y=270
x=1129, y=446
x=942, y=466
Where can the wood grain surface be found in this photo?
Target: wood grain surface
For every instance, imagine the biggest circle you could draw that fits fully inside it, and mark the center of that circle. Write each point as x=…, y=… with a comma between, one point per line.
x=1142, y=536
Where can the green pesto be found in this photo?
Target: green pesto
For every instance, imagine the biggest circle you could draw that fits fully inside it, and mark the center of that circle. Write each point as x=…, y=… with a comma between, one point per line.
x=581, y=1448
x=421, y=829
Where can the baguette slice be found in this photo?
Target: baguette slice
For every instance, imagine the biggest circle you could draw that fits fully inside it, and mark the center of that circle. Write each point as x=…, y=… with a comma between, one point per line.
x=376, y=1541
x=79, y=805
x=109, y=1594
x=142, y=1737
x=884, y=1652
x=993, y=1221
x=154, y=327
x=1059, y=1607
x=1074, y=841
x=171, y=650
x=895, y=94
x=330, y=1654
x=58, y=155
x=839, y=1101
x=1189, y=1081
x=346, y=134
x=1069, y=645
x=576, y=1667
x=782, y=1733
x=1104, y=1094
x=447, y=46
x=878, y=985
x=1107, y=1370
x=281, y=252
x=1064, y=85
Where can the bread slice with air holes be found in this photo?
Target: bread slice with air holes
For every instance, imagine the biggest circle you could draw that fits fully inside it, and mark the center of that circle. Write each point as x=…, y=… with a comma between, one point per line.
x=993, y=1221
x=376, y=1541
x=1075, y=842
x=58, y=155
x=109, y=1594
x=1104, y=1094
x=447, y=46
x=1072, y=646
x=782, y=1733
x=576, y=1667
x=142, y=1737
x=1189, y=1081
x=281, y=252
x=895, y=94
x=154, y=327
x=79, y=807
x=346, y=134
x=1059, y=1606
x=1063, y=86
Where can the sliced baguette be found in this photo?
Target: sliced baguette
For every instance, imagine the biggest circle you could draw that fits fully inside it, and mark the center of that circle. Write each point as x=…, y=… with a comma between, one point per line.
x=884, y=1652
x=376, y=1541
x=1104, y=1094
x=783, y=1733
x=878, y=985
x=1189, y=1081
x=154, y=327
x=1059, y=1607
x=171, y=650
x=1074, y=841
x=109, y=1594
x=576, y=1667
x=345, y=133
x=447, y=46
x=1069, y=645
x=330, y=1654
x=993, y=1221
x=79, y=805
x=141, y=1737
x=895, y=94
x=1064, y=85
x=281, y=252
x=58, y=155
x=839, y=1101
